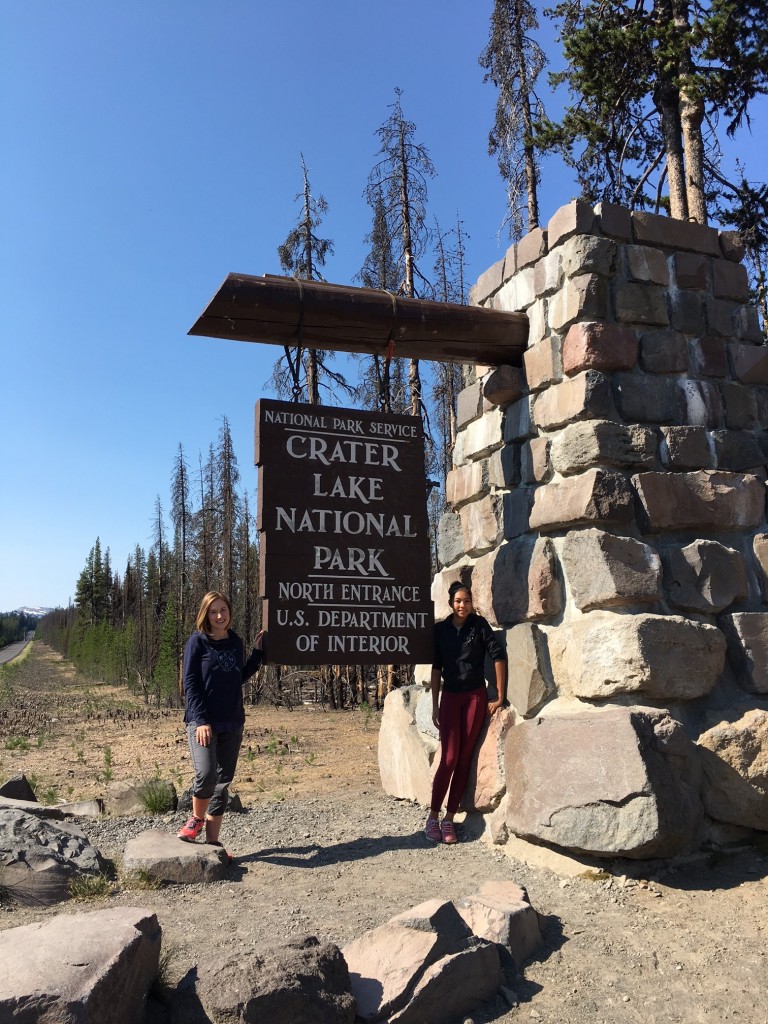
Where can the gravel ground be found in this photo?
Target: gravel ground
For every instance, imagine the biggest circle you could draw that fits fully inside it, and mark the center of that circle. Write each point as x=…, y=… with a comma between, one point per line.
x=322, y=851
x=687, y=943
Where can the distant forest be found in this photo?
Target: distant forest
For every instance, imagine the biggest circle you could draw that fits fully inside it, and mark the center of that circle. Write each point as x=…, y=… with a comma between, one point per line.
x=14, y=626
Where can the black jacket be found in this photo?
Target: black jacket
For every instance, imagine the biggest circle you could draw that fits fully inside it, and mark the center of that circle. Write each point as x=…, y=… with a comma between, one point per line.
x=460, y=654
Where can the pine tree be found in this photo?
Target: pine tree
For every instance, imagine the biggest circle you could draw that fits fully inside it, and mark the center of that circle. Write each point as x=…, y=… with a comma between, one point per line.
x=646, y=78
x=227, y=479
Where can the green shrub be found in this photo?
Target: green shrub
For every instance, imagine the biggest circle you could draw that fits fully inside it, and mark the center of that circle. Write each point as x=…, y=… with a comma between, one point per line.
x=156, y=796
x=17, y=743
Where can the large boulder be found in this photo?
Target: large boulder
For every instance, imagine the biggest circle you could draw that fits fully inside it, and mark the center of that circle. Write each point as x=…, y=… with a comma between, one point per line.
x=422, y=967
x=40, y=857
x=302, y=981
x=605, y=570
x=404, y=760
x=735, y=759
x=501, y=912
x=80, y=967
x=620, y=782
x=165, y=858
x=518, y=581
x=663, y=657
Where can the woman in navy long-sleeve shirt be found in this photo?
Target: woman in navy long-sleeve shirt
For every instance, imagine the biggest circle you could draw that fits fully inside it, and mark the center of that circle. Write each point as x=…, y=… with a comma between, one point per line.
x=214, y=673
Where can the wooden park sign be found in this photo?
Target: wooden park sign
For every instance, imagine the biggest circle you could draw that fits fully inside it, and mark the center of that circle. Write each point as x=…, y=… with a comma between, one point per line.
x=345, y=566
x=342, y=515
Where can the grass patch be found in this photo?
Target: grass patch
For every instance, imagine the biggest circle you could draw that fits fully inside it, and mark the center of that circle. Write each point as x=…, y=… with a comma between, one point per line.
x=140, y=880
x=20, y=743
x=156, y=796
x=162, y=986
x=87, y=887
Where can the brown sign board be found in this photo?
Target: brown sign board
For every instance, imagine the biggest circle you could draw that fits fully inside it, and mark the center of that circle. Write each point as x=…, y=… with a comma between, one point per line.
x=342, y=516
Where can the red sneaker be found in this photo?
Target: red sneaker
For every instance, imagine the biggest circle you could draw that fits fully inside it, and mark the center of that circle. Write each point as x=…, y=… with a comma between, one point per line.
x=448, y=832
x=192, y=829
x=432, y=831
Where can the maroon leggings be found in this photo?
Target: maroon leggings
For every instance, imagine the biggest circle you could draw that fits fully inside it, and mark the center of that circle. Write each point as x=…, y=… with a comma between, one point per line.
x=461, y=719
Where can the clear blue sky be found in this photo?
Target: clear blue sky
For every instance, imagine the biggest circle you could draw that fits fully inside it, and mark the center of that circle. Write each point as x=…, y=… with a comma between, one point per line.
x=150, y=148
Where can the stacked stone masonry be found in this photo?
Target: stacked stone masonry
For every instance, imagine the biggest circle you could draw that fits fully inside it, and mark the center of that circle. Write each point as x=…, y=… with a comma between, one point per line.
x=608, y=503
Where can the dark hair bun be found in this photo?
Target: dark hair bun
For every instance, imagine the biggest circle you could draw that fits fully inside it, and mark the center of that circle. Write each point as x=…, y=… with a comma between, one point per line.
x=455, y=587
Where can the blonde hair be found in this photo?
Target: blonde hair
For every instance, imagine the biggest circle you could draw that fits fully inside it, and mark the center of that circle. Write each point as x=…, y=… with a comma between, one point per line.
x=201, y=622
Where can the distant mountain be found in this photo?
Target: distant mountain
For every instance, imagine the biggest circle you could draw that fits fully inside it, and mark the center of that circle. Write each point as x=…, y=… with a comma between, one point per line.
x=39, y=612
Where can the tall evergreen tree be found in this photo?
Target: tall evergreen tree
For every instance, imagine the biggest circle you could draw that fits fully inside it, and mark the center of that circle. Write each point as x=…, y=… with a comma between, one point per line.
x=646, y=76
x=227, y=479
x=181, y=514
x=513, y=61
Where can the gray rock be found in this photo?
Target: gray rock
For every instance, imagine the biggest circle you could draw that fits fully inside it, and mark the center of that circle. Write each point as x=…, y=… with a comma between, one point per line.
x=18, y=788
x=422, y=967
x=302, y=982
x=737, y=451
x=705, y=576
x=80, y=967
x=404, y=762
x=501, y=913
x=39, y=857
x=703, y=500
x=602, y=442
x=604, y=570
x=735, y=760
x=663, y=657
x=623, y=782
x=529, y=681
x=166, y=858
x=686, y=448
x=647, y=399
x=518, y=581
x=747, y=634
x=450, y=540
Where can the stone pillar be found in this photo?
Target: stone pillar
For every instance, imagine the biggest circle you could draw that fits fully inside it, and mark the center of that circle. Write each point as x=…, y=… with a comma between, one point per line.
x=608, y=502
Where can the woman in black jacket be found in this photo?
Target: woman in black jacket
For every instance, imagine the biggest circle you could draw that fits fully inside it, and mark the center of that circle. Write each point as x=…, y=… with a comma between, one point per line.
x=462, y=641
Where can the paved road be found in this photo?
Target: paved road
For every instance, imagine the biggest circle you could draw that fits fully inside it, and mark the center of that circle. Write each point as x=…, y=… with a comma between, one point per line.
x=9, y=653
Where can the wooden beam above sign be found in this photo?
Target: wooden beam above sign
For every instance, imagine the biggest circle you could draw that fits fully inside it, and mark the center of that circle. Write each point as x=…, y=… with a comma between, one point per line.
x=285, y=310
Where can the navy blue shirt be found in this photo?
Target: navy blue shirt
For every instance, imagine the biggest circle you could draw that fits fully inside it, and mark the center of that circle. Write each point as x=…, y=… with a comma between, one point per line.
x=460, y=654
x=214, y=674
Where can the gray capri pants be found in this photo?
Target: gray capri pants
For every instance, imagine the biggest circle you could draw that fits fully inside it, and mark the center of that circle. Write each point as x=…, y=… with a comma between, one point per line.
x=214, y=767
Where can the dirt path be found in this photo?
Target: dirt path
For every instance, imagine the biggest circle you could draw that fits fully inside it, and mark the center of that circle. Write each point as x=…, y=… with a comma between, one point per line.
x=321, y=851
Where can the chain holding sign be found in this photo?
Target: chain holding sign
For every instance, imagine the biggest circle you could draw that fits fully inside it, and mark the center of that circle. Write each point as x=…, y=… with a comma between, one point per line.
x=345, y=563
